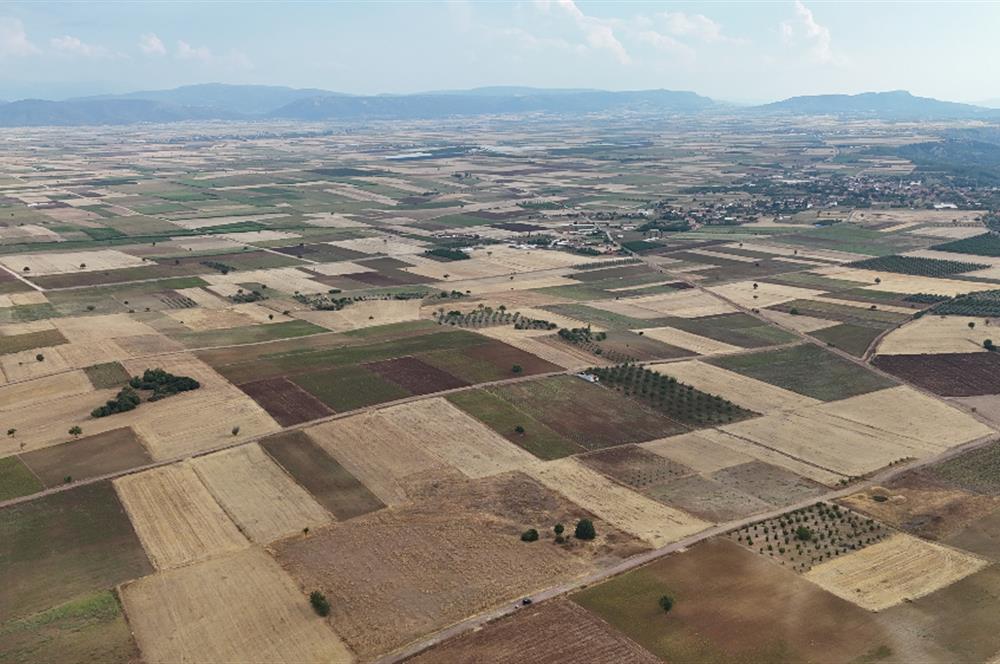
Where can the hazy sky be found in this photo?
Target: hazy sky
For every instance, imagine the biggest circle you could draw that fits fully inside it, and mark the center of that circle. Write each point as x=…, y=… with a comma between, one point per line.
x=733, y=51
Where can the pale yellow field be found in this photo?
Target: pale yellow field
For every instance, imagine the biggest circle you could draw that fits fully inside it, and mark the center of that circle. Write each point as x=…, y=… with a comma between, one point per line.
x=18, y=299
x=364, y=314
x=506, y=284
x=265, y=502
x=85, y=329
x=448, y=434
x=702, y=453
x=242, y=315
x=176, y=518
x=689, y=303
x=559, y=353
x=650, y=521
x=238, y=608
x=389, y=245
x=906, y=412
x=41, y=390
x=23, y=366
x=742, y=390
x=829, y=441
x=904, y=283
x=69, y=262
x=744, y=294
x=341, y=268
x=797, y=322
x=282, y=279
x=902, y=215
x=376, y=456
x=938, y=334
x=889, y=572
x=692, y=342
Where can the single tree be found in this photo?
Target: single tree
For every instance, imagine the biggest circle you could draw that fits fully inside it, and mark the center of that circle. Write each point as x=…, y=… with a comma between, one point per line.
x=529, y=535
x=972, y=324
x=517, y=368
x=319, y=603
x=666, y=603
x=11, y=432
x=803, y=533
x=40, y=357
x=75, y=431
x=519, y=429
x=585, y=530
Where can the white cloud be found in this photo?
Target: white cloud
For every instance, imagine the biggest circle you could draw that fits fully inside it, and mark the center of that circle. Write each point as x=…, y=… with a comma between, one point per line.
x=14, y=40
x=68, y=45
x=186, y=51
x=598, y=33
x=697, y=26
x=666, y=43
x=806, y=31
x=150, y=44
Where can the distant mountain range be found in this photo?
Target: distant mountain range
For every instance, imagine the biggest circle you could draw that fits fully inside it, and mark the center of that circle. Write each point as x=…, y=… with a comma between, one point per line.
x=897, y=104
x=215, y=101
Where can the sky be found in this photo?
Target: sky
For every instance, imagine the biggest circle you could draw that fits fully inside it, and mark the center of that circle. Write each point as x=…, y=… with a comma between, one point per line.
x=734, y=51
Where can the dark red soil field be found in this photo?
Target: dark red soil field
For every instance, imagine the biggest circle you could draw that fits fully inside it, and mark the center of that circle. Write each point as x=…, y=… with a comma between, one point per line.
x=947, y=374
x=416, y=376
x=504, y=357
x=91, y=456
x=285, y=401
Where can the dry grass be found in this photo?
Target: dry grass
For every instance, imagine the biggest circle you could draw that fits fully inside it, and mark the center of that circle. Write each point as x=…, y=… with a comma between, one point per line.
x=69, y=262
x=762, y=294
x=937, y=334
x=637, y=515
x=265, y=502
x=892, y=571
x=176, y=517
x=692, y=342
x=238, y=608
x=742, y=390
x=368, y=313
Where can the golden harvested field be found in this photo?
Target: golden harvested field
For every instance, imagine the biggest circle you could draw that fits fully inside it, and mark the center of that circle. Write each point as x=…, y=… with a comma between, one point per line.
x=258, y=494
x=765, y=294
x=398, y=573
x=689, y=303
x=201, y=319
x=744, y=391
x=797, y=322
x=41, y=390
x=905, y=412
x=176, y=518
x=936, y=334
x=364, y=314
x=828, y=442
x=236, y=608
x=652, y=522
x=892, y=571
x=86, y=329
x=24, y=365
x=698, y=450
x=505, y=284
x=904, y=283
x=280, y=279
x=551, y=350
x=376, y=456
x=453, y=437
x=69, y=261
x=692, y=342
x=388, y=244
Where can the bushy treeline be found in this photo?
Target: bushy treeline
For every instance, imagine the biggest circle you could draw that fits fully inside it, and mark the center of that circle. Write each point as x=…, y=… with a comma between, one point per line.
x=161, y=383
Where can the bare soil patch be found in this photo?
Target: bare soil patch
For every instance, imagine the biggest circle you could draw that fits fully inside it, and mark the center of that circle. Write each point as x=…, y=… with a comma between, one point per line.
x=415, y=376
x=328, y=482
x=557, y=632
x=90, y=456
x=947, y=374
x=399, y=573
x=285, y=401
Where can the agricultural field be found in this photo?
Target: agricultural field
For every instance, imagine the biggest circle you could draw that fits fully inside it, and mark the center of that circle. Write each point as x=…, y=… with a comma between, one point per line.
x=445, y=367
